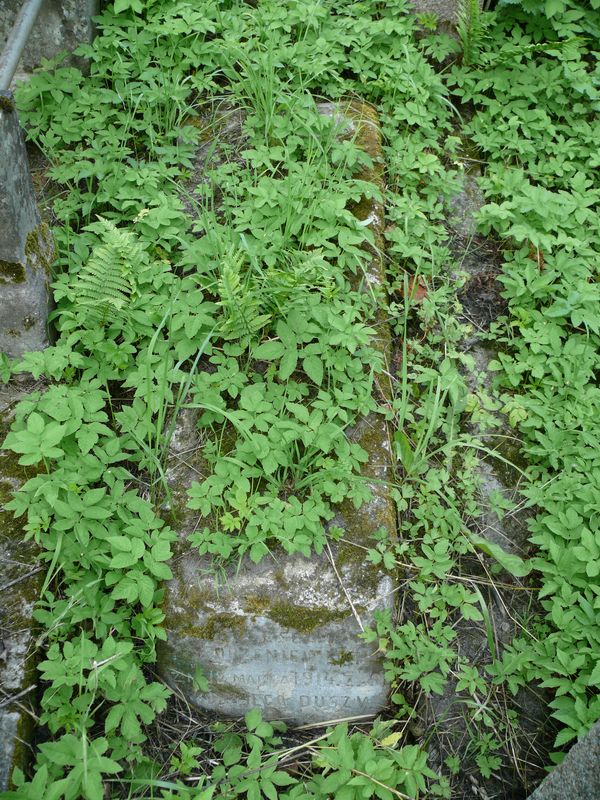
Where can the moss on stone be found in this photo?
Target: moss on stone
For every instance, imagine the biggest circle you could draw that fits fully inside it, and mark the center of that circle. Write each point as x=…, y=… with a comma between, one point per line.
x=11, y=527
x=279, y=576
x=39, y=247
x=6, y=103
x=257, y=604
x=215, y=624
x=39, y=252
x=228, y=690
x=349, y=554
x=198, y=603
x=303, y=619
x=6, y=488
x=12, y=272
x=509, y=449
x=9, y=461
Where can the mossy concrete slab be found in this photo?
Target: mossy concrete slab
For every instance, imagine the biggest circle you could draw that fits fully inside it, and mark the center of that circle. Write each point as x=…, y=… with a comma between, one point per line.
x=283, y=635
x=26, y=247
x=19, y=589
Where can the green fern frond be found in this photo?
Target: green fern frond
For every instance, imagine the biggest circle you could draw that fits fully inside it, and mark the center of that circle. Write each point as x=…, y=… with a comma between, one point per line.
x=238, y=300
x=106, y=284
x=470, y=28
x=287, y=286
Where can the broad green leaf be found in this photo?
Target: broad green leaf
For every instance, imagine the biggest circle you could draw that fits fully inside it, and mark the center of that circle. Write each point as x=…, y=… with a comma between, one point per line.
x=268, y=351
x=509, y=561
x=313, y=366
x=288, y=364
x=253, y=719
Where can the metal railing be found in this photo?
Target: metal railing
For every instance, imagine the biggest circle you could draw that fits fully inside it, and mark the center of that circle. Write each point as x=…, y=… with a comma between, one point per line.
x=17, y=39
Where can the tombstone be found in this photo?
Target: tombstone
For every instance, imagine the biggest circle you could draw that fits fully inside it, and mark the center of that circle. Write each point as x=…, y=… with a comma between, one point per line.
x=61, y=25
x=26, y=248
x=282, y=635
x=20, y=580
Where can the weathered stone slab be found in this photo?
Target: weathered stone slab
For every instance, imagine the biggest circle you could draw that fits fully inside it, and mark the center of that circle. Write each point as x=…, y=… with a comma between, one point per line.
x=61, y=25
x=498, y=470
x=578, y=777
x=26, y=248
x=447, y=719
x=19, y=589
x=283, y=635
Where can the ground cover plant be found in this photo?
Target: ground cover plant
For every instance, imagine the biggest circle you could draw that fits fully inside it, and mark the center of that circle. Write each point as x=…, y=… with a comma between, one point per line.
x=242, y=296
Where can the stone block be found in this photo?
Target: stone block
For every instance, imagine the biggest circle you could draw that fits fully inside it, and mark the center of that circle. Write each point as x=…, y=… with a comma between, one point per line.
x=283, y=635
x=26, y=248
x=61, y=25
x=19, y=589
x=445, y=10
x=578, y=777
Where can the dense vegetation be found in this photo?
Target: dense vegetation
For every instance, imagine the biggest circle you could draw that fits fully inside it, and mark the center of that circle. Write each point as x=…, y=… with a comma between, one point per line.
x=257, y=273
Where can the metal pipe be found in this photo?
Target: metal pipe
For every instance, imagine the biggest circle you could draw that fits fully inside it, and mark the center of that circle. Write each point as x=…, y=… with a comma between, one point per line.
x=17, y=38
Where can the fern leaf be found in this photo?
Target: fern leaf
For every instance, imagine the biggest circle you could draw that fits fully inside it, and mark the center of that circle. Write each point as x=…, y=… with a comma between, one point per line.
x=238, y=300
x=470, y=28
x=106, y=284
